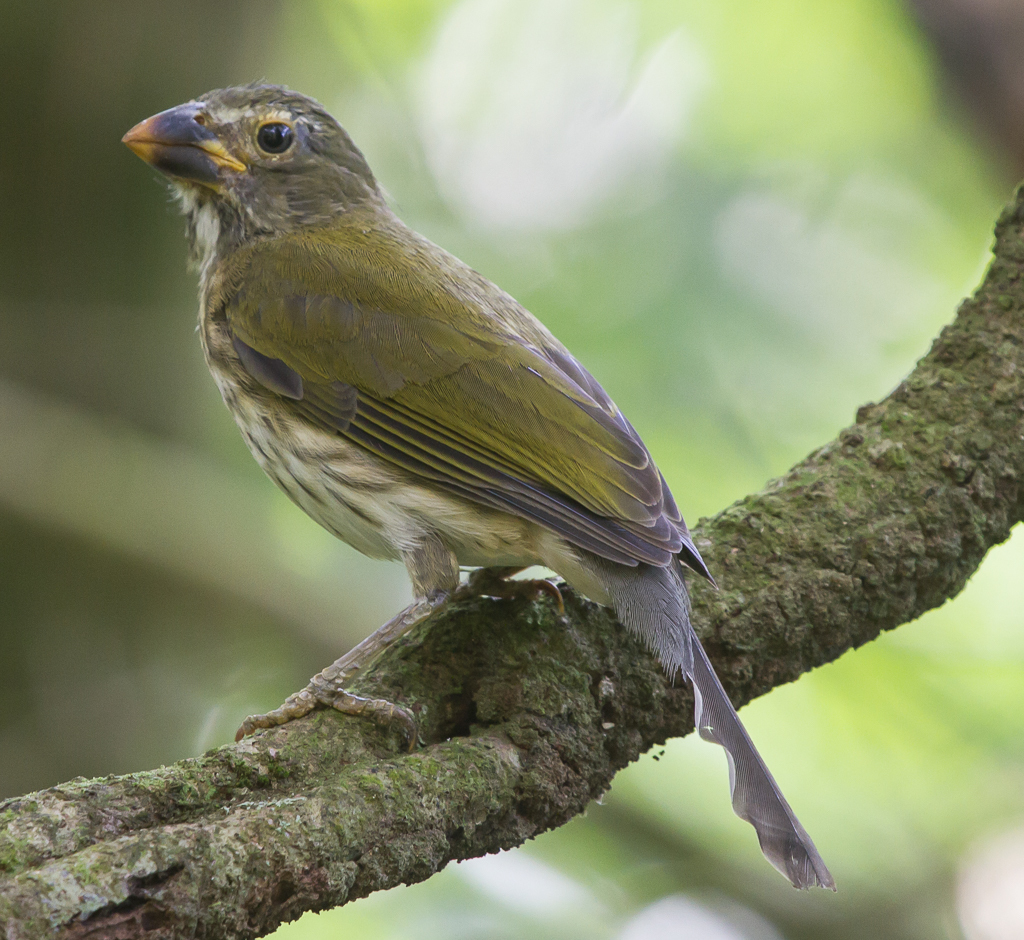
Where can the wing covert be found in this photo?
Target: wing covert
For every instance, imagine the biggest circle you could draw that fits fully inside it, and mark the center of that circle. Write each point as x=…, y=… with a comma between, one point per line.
x=503, y=416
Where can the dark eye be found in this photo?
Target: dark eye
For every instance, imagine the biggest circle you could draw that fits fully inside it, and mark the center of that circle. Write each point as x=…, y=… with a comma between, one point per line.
x=274, y=138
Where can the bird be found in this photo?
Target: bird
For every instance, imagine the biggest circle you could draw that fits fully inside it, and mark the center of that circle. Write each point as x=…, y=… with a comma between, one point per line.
x=419, y=413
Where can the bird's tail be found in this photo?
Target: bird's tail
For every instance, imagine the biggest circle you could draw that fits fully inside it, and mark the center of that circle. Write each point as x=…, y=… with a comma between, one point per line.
x=756, y=796
x=654, y=603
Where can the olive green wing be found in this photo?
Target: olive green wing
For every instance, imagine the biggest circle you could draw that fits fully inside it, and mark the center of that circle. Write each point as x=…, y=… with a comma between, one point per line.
x=414, y=357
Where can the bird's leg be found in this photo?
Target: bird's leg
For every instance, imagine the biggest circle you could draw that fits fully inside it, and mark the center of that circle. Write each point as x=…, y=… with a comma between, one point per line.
x=435, y=576
x=497, y=582
x=327, y=688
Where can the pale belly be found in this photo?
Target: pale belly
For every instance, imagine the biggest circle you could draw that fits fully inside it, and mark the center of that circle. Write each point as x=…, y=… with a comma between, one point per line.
x=378, y=509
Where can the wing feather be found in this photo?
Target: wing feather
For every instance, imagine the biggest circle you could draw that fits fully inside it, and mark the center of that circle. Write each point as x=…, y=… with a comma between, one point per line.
x=453, y=381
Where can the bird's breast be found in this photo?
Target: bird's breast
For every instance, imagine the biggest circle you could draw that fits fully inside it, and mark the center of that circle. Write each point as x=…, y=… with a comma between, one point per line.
x=378, y=508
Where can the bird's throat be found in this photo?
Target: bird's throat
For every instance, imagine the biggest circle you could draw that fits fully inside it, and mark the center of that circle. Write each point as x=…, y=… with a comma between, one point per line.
x=203, y=228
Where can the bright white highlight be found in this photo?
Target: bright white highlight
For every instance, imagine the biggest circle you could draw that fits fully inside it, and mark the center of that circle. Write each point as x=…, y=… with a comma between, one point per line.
x=532, y=112
x=525, y=884
x=680, y=918
x=990, y=893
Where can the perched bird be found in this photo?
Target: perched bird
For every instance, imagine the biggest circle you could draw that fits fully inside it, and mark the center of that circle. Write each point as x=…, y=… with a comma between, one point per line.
x=418, y=412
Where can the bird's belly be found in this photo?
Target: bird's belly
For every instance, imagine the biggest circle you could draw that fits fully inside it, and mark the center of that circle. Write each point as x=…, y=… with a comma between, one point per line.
x=378, y=509
x=334, y=484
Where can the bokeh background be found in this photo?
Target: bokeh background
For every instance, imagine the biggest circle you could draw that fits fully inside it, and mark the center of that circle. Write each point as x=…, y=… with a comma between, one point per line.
x=746, y=217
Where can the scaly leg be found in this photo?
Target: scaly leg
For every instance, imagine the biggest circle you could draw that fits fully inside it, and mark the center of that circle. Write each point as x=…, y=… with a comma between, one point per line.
x=435, y=573
x=327, y=688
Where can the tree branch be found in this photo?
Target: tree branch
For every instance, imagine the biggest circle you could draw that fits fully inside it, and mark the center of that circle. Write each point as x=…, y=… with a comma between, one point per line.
x=525, y=716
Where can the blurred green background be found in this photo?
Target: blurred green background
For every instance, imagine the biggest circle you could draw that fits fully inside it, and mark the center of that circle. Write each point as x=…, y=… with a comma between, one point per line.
x=746, y=217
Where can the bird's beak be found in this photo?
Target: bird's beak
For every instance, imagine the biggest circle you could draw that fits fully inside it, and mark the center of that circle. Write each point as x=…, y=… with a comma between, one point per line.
x=179, y=143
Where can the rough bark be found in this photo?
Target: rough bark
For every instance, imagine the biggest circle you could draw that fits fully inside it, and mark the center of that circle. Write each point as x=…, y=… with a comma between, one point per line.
x=526, y=716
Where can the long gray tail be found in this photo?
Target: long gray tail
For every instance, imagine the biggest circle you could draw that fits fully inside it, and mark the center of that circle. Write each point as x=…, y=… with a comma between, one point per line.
x=654, y=603
x=756, y=796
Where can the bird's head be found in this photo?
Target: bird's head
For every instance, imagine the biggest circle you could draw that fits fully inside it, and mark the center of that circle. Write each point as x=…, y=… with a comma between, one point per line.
x=255, y=160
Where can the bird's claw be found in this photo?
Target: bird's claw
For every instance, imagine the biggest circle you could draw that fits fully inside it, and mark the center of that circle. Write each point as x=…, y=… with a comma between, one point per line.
x=295, y=706
x=320, y=693
x=497, y=582
x=380, y=710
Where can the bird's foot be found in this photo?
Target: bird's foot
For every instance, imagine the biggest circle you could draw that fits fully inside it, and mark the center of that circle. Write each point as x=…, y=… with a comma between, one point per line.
x=320, y=693
x=327, y=688
x=497, y=582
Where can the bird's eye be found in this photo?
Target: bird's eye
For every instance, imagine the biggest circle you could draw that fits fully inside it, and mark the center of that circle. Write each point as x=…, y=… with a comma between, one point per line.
x=275, y=137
